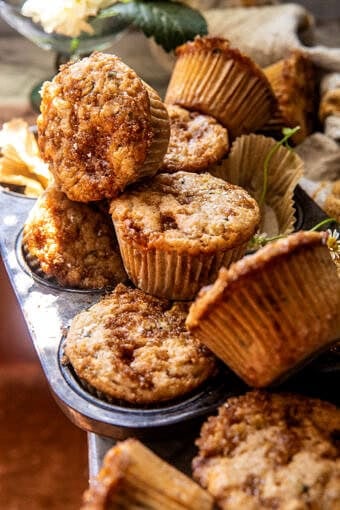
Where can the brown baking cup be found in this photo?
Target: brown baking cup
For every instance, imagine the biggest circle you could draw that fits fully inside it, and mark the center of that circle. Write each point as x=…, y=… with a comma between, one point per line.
x=294, y=85
x=272, y=310
x=244, y=167
x=172, y=274
x=160, y=128
x=211, y=77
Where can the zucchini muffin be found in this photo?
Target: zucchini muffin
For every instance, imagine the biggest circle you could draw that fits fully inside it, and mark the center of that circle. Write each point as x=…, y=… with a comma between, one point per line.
x=133, y=477
x=272, y=310
x=176, y=230
x=101, y=127
x=271, y=451
x=134, y=347
x=213, y=78
x=293, y=81
x=196, y=141
x=71, y=242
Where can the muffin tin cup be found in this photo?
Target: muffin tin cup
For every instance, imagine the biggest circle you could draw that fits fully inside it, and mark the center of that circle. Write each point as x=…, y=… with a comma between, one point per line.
x=284, y=171
x=48, y=309
x=172, y=275
x=237, y=96
x=270, y=324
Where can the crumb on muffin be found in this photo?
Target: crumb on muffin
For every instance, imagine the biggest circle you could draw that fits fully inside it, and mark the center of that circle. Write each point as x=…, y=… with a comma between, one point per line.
x=276, y=451
x=72, y=242
x=135, y=347
x=196, y=141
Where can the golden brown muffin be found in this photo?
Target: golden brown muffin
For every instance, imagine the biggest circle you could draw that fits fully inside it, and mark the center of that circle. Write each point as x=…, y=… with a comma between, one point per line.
x=196, y=141
x=330, y=104
x=176, y=230
x=133, y=477
x=72, y=242
x=213, y=78
x=268, y=451
x=272, y=310
x=293, y=81
x=101, y=127
x=134, y=347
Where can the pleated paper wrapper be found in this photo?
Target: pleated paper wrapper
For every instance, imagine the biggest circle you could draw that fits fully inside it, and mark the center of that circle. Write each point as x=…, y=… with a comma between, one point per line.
x=245, y=167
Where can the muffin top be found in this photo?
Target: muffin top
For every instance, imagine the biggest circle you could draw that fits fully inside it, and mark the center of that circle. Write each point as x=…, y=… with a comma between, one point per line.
x=135, y=347
x=94, y=129
x=196, y=141
x=74, y=243
x=211, y=295
x=195, y=213
x=271, y=451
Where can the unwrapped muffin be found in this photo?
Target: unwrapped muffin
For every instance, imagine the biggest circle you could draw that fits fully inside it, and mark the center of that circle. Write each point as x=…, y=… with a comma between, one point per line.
x=134, y=347
x=133, y=477
x=196, y=141
x=213, y=78
x=73, y=243
x=293, y=81
x=272, y=310
x=271, y=451
x=101, y=128
x=176, y=230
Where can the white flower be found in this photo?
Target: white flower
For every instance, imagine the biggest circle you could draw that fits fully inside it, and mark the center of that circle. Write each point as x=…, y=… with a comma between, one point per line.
x=333, y=243
x=65, y=17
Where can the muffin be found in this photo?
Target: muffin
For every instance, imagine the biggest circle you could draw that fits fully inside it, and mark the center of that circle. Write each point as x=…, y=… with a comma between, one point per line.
x=213, y=78
x=132, y=477
x=272, y=310
x=73, y=243
x=176, y=230
x=293, y=81
x=271, y=451
x=133, y=347
x=101, y=127
x=330, y=104
x=196, y=141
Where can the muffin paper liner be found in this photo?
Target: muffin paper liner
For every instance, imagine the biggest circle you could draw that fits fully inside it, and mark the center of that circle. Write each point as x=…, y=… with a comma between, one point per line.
x=173, y=275
x=244, y=167
x=270, y=322
x=161, y=134
x=34, y=264
x=222, y=87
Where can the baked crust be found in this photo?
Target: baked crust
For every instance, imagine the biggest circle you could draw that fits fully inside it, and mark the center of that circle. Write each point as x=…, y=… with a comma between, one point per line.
x=293, y=81
x=135, y=347
x=187, y=212
x=271, y=451
x=73, y=242
x=95, y=129
x=196, y=141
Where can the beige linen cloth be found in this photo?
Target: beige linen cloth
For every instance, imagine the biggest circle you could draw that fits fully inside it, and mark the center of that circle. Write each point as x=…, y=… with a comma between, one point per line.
x=267, y=33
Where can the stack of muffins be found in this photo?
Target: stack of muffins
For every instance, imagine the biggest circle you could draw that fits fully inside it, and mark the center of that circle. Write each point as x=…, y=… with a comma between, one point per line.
x=115, y=149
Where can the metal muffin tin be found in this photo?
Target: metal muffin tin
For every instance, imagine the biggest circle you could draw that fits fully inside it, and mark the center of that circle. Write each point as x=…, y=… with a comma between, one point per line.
x=48, y=310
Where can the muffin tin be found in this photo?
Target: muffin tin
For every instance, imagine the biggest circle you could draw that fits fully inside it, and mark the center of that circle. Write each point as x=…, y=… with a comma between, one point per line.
x=48, y=309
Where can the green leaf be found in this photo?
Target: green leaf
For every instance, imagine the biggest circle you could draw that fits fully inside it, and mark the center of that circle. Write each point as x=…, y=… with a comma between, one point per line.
x=170, y=23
